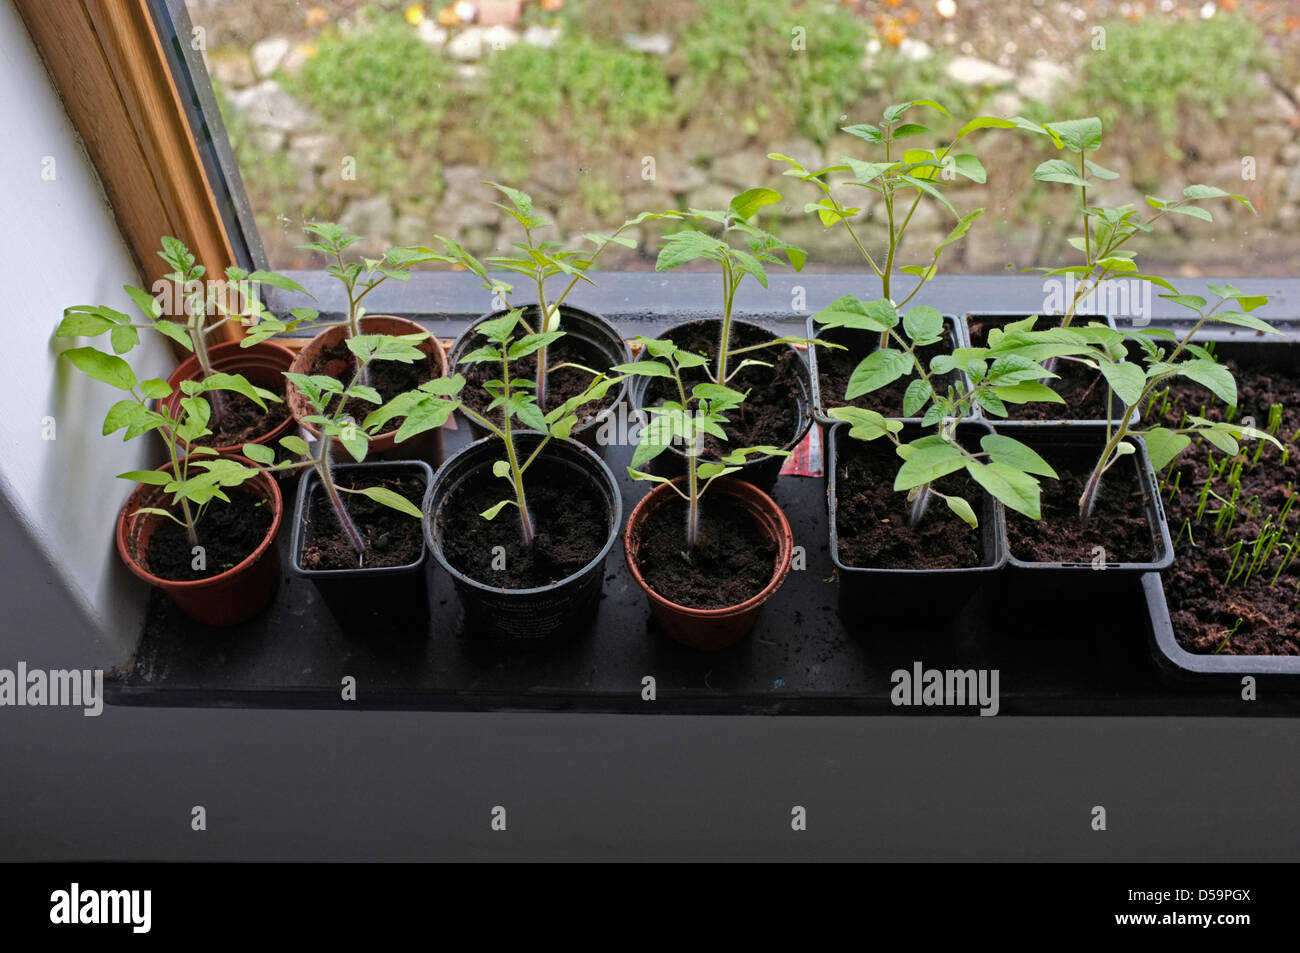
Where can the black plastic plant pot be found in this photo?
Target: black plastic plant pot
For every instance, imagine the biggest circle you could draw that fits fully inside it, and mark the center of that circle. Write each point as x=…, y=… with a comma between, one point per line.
x=540, y=616
x=760, y=470
x=602, y=347
x=1074, y=447
x=860, y=344
x=1179, y=668
x=394, y=598
x=872, y=595
x=976, y=327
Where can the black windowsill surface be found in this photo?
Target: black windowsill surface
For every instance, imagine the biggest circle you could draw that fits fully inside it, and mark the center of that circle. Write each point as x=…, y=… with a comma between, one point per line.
x=800, y=659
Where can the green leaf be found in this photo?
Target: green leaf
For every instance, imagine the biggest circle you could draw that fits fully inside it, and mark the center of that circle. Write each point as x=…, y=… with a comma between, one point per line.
x=1245, y=321
x=878, y=369
x=1212, y=375
x=1126, y=380
x=150, y=477
x=392, y=500
x=295, y=445
x=962, y=509
x=176, y=332
x=1197, y=192
x=1193, y=211
x=155, y=388
x=848, y=311
x=867, y=172
x=928, y=460
x=682, y=247
x=259, y=453
x=501, y=468
x=709, y=471
x=144, y=301
x=1028, y=392
x=1004, y=449
x=865, y=132
x=1078, y=135
x=970, y=167
x=984, y=122
x=909, y=129
x=643, y=368
x=1164, y=446
x=106, y=368
x=865, y=424
x=923, y=324
x=930, y=190
x=747, y=203
x=916, y=396
x=1014, y=488
x=1058, y=170
x=236, y=383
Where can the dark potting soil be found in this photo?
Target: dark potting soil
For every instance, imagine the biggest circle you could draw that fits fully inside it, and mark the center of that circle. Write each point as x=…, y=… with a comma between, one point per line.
x=1083, y=389
x=1118, y=523
x=391, y=538
x=242, y=421
x=770, y=414
x=835, y=368
x=228, y=533
x=390, y=378
x=570, y=518
x=871, y=518
x=731, y=562
x=1257, y=617
x=561, y=384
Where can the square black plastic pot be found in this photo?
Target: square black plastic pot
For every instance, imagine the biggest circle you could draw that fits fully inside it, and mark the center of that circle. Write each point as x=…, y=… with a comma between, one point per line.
x=1179, y=668
x=1116, y=405
x=821, y=413
x=868, y=595
x=1046, y=577
x=392, y=597
x=762, y=471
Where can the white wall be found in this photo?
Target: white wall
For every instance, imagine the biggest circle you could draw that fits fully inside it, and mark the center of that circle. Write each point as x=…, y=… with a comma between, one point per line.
x=59, y=246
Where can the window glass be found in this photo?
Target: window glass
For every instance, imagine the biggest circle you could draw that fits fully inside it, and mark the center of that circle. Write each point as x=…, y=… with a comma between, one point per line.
x=386, y=116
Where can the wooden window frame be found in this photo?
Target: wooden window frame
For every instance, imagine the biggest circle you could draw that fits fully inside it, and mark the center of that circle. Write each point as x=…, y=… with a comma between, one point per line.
x=108, y=63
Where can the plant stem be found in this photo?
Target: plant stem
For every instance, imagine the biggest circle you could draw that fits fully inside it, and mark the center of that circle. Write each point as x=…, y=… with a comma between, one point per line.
x=916, y=512
x=326, y=474
x=724, y=343
x=516, y=473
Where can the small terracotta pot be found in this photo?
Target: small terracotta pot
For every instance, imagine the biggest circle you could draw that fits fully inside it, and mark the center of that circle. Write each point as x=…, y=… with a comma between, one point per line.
x=228, y=598
x=713, y=629
x=427, y=446
x=262, y=364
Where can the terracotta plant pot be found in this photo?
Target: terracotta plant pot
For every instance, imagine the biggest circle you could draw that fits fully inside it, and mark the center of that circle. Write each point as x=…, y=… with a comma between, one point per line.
x=713, y=629
x=427, y=446
x=262, y=364
x=227, y=598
